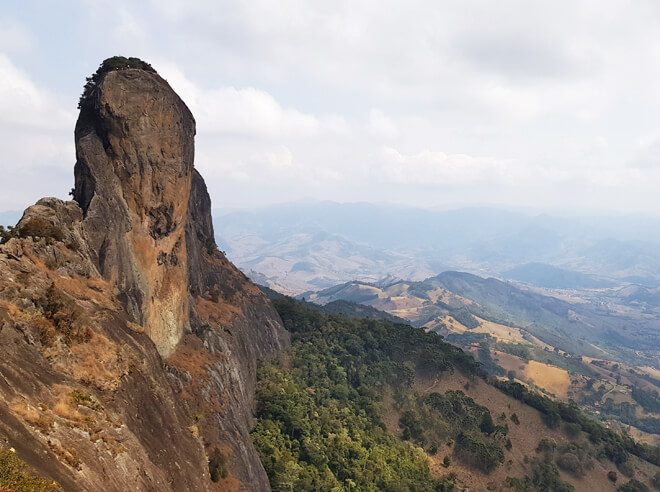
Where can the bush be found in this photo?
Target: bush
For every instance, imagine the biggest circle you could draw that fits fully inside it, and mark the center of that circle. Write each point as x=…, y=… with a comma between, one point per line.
x=551, y=419
x=633, y=486
x=109, y=65
x=572, y=429
x=515, y=419
x=217, y=463
x=38, y=227
x=626, y=468
x=412, y=428
x=569, y=462
x=62, y=311
x=7, y=234
x=479, y=452
x=85, y=400
x=487, y=426
x=546, y=445
x=546, y=477
x=612, y=476
x=14, y=476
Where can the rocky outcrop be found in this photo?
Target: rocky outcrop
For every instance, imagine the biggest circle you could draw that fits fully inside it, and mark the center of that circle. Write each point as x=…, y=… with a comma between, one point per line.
x=135, y=151
x=131, y=342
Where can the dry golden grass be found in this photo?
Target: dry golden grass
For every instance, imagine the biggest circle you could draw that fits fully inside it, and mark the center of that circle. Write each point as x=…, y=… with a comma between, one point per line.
x=66, y=410
x=641, y=436
x=502, y=333
x=99, y=362
x=193, y=358
x=447, y=297
x=448, y=322
x=25, y=410
x=65, y=455
x=84, y=289
x=551, y=378
x=510, y=363
x=220, y=312
x=525, y=438
x=33, y=417
x=651, y=371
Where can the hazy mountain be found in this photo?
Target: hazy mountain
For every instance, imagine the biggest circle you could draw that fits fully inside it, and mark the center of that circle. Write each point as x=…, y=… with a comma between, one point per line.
x=304, y=261
x=553, y=277
x=9, y=217
x=618, y=322
x=306, y=246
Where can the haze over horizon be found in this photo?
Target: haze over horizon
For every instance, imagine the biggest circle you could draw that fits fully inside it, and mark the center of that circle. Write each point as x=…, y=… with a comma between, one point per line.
x=541, y=107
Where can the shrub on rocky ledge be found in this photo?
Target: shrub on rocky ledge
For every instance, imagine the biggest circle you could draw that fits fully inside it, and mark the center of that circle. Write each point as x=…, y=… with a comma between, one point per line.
x=110, y=65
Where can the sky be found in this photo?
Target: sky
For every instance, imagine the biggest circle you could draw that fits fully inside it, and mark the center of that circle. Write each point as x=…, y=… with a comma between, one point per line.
x=523, y=104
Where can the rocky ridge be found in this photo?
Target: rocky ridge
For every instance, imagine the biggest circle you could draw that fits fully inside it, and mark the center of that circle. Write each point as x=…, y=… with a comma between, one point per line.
x=131, y=342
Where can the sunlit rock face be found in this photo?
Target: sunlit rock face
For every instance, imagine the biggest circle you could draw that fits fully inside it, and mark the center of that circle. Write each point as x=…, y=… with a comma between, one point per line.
x=130, y=342
x=135, y=152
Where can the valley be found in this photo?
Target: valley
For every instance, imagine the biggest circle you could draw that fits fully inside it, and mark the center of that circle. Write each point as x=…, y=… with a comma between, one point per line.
x=351, y=384
x=597, y=348
x=313, y=245
x=137, y=355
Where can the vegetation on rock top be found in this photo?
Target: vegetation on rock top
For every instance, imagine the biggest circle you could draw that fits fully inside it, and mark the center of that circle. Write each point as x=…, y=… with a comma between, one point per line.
x=110, y=65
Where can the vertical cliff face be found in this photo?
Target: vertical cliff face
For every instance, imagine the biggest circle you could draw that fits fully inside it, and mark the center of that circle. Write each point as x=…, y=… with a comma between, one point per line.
x=131, y=341
x=135, y=151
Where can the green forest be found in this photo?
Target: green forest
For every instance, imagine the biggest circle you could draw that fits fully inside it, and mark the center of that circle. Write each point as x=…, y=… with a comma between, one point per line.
x=320, y=409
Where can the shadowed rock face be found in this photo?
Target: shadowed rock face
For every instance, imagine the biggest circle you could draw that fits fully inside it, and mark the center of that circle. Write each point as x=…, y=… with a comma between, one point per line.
x=122, y=296
x=135, y=151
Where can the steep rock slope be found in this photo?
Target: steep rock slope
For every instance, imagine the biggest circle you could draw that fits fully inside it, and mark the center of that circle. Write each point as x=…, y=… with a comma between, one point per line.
x=130, y=342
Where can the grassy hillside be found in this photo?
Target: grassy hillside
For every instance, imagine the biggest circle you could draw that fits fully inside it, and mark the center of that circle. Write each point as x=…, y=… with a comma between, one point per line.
x=364, y=404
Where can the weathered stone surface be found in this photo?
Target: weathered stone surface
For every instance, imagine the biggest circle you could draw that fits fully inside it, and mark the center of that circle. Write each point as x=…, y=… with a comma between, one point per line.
x=130, y=341
x=135, y=151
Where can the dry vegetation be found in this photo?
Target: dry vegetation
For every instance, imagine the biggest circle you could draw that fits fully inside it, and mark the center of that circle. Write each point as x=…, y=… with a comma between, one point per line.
x=551, y=378
x=524, y=436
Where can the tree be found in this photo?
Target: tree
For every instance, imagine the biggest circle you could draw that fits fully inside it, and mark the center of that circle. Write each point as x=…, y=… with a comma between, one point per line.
x=633, y=486
x=487, y=426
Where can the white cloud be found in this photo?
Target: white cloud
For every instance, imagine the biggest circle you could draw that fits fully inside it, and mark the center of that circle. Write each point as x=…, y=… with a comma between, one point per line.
x=381, y=125
x=298, y=98
x=22, y=103
x=35, y=137
x=428, y=167
x=245, y=112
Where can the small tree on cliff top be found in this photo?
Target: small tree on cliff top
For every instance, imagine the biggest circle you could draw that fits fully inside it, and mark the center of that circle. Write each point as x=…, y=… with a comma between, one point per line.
x=110, y=65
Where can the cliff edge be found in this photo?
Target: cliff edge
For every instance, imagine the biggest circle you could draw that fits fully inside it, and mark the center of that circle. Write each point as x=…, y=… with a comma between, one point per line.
x=131, y=342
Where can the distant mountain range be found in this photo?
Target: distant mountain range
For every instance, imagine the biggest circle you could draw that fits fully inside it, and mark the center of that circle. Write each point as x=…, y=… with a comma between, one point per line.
x=621, y=323
x=300, y=247
x=553, y=277
x=9, y=217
